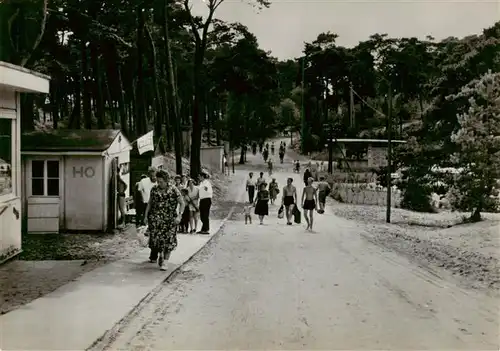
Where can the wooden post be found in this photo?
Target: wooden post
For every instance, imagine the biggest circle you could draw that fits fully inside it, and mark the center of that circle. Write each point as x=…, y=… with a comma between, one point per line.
x=389, y=155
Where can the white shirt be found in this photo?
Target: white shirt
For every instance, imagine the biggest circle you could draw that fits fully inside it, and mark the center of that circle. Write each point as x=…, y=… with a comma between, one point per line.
x=204, y=194
x=145, y=186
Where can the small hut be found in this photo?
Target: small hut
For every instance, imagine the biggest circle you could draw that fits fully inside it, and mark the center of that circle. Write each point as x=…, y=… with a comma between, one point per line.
x=70, y=178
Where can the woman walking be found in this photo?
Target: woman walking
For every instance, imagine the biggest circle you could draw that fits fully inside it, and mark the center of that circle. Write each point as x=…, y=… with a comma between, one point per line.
x=273, y=190
x=262, y=203
x=193, y=197
x=162, y=219
x=307, y=175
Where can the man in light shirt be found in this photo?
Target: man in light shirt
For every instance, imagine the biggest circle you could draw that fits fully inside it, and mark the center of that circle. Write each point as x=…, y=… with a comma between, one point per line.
x=144, y=187
x=206, y=194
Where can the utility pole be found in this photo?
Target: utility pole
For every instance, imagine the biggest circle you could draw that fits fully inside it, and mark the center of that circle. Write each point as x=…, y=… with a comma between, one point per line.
x=351, y=106
x=330, y=146
x=389, y=154
x=302, y=115
x=232, y=156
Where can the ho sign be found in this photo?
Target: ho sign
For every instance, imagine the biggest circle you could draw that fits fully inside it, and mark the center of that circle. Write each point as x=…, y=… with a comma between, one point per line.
x=87, y=172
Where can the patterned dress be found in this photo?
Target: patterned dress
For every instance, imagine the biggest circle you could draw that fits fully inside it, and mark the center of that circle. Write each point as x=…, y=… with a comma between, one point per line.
x=161, y=218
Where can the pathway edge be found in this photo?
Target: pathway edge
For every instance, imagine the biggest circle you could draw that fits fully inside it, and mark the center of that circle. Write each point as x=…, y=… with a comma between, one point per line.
x=107, y=338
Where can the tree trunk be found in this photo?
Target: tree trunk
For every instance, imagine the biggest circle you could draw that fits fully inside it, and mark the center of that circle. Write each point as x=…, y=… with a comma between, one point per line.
x=87, y=112
x=27, y=112
x=165, y=103
x=174, y=116
x=159, y=108
x=195, y=161
x=140, y=120
x=98, y=92
x=54, y=102
x=76, y=114
x=208, y=114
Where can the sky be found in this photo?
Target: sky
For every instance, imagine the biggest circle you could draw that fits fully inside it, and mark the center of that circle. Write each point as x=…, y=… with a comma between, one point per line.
x=287, y=24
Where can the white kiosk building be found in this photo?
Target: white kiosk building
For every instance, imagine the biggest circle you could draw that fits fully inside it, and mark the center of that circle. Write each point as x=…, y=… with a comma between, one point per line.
x=13, y=80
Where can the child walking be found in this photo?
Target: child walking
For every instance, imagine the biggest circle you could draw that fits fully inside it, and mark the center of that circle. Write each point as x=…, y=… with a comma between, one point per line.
x=247, y=210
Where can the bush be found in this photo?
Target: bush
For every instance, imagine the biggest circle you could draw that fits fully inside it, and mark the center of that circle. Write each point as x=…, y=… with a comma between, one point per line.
x=416, y=196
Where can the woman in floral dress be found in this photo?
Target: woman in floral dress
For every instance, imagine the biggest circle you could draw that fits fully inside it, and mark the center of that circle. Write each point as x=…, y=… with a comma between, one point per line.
x=162, y=218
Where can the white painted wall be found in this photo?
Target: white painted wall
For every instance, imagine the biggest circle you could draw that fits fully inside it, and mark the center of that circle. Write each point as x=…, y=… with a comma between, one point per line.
x=120, y=148
x=84, y=200
x=212, y=157
x=10, y=204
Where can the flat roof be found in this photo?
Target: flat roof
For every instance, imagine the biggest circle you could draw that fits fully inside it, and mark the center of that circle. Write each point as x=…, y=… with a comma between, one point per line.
x=69, y=140
x=368, y=141
x=20, y=79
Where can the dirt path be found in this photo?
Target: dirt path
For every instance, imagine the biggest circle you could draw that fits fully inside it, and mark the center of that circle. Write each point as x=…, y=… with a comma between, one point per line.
x=280, y=287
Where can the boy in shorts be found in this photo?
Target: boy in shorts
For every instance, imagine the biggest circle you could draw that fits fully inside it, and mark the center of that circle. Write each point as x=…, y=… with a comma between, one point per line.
x=247, y=210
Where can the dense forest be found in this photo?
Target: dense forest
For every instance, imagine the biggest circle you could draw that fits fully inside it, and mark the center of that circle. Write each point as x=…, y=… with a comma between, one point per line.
x=142, y=65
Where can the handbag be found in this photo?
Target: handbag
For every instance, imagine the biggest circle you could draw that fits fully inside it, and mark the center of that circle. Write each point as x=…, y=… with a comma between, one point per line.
x=281, y=212
x=190, y=201
x=143, y=236
x=296, y=215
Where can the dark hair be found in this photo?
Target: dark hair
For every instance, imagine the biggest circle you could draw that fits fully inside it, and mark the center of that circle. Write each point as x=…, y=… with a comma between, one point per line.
x=162, y=175
x=322, y=178
x=261, y=173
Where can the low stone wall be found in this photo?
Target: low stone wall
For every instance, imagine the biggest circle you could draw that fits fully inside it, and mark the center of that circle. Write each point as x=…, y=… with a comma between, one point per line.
x=363, y=194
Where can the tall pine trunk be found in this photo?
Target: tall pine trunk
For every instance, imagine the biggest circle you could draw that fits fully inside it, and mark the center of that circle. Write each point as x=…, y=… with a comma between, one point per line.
x=174, y=111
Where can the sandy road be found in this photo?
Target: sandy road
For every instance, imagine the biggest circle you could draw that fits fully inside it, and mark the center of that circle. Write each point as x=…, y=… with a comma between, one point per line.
x=279, y=287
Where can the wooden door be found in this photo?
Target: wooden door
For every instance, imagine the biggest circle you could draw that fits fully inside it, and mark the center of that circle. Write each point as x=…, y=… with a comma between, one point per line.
x=113, y=205
x=44, y=190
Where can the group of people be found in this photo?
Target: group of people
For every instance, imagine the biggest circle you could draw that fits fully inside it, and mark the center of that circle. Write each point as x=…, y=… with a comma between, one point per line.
x=313, y=198
x=167, y=208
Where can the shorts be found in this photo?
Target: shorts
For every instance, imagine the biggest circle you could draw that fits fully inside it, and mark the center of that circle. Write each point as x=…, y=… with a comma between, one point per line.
x=288, y=201
x=322, y=197
x=309, y=205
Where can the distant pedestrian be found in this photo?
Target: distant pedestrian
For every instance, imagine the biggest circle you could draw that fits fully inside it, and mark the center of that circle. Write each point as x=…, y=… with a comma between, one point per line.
x=289, y=199
x=251, y=183
x=265, y=154
x=296, y=169
x=262, y=203
x=273, y=190
x=309, y=201
x=186, y=215
x=307, y=175
x=226, y=165
x=260, y=180
x=144, y=187
x=206, y=194
x=282, y=155
x=178, y=181
x=193, y=197
x=323, y=191
x=121, y=188
x=270, y=166
x=162, y=219
x=272, y=148
x=138, y=204
x=247, y=210
x=184, y=180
